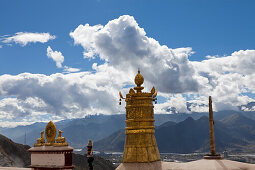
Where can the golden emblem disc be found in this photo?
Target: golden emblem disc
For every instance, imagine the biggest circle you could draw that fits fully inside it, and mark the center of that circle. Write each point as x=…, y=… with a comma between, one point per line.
x=50, y=132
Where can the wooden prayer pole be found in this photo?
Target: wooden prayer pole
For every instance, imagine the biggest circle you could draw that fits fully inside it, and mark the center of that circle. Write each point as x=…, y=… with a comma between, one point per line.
x=212, y=154
x=211, y=128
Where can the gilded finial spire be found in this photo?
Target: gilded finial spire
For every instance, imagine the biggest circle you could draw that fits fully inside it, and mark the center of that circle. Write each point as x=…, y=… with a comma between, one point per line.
x=139, y=81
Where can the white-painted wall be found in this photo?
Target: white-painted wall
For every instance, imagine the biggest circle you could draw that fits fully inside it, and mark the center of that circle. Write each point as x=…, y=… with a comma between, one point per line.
x=48, y=159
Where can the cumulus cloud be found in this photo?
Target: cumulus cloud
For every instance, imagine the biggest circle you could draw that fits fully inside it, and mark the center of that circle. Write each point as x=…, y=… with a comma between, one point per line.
x=174, y=104
x=59, y=59
x=227, y=78
x=125, y=46
x=65, y=95
x=55, y=56
x=23, y=38
x=70, y=69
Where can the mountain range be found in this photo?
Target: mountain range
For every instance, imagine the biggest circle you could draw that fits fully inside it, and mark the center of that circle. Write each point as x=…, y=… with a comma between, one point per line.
x=79, y=131
x=100, y=127
x=235, y=133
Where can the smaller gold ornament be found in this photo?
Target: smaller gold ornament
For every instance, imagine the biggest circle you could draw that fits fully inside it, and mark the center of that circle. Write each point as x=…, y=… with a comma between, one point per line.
x=139, y=79
x=60, y=141
x=40, y=141
x=50, y=133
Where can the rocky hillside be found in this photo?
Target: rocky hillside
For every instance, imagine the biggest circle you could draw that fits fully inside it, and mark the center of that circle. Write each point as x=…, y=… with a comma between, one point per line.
x=13, y=154
x=16, y=155
x=81, y=163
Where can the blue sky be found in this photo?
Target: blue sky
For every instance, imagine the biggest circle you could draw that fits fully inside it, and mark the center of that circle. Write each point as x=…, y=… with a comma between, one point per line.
x=211, y=28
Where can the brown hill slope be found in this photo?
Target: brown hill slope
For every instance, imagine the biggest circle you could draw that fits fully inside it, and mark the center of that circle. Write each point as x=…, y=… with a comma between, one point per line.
x=81, y=163
x=16, y=155
x=13, y=154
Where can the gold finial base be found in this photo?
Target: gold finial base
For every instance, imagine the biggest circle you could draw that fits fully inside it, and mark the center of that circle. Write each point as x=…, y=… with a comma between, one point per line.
x=49, y=144
x=60, y=144
x=38, y=144
x=216, y=156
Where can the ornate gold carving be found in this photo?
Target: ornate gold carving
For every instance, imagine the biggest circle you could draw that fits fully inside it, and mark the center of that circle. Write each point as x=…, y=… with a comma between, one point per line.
x=140, y=127
x=121, y=95
x=131, y=92
x=140, y=142
x=155, y=94
x=60, y=141
x=40, y=141
x=140, y=131
x=50, y=133
x=140, y=120
x=153, y=90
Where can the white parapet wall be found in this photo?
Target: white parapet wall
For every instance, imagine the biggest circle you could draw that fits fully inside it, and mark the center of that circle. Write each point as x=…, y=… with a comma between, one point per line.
x=48, y=157
x=56, y=159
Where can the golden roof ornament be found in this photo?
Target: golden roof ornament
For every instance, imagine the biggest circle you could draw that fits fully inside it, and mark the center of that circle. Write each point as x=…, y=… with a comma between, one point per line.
x=60, y=141
x=40, y=141
x=139, y=78
x=140, y=142
x=50, y=134
x=139, y=81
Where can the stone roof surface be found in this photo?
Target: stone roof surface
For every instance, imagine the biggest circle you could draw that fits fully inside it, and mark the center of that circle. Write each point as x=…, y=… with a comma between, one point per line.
x=202, y=164
x=14, y=168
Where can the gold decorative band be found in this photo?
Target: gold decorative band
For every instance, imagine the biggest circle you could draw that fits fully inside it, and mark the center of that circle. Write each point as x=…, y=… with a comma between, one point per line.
x=140, y=120
x=140, y=127
x=139, y=106
x=142, y=98
x=139, y=131
x=140, y=146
